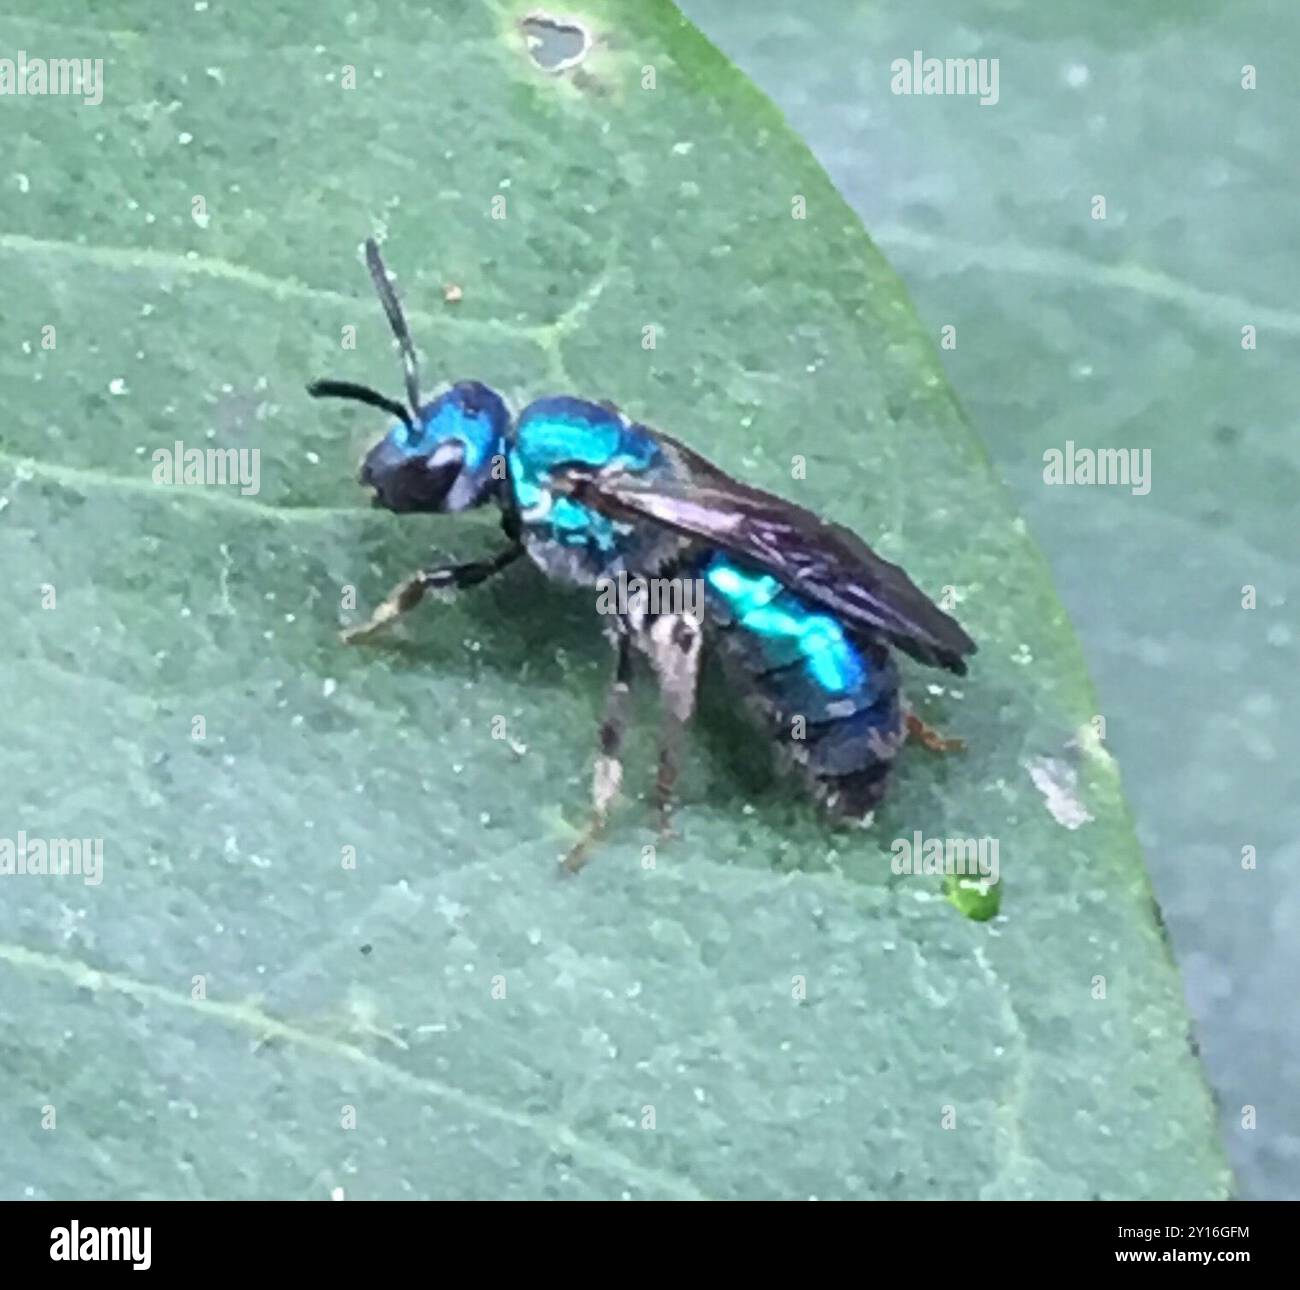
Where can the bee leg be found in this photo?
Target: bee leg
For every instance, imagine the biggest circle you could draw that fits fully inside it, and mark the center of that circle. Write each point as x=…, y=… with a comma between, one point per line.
x=673, y=645
x=410, y=591
x=930, y=738
x=608, y=774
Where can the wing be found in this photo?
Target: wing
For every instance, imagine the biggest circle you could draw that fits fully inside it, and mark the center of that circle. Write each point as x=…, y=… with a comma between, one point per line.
x=819, y=560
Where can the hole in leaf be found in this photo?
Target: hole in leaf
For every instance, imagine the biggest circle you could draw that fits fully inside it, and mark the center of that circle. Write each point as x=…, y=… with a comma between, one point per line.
x=556, y=44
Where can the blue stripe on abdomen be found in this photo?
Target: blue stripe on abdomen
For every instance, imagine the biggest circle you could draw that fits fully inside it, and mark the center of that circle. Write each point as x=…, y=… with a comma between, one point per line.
x=792, y=637
x=798, y=661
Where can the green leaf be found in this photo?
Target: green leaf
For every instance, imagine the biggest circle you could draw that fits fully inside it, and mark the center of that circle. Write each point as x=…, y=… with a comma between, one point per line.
x=767, y=1010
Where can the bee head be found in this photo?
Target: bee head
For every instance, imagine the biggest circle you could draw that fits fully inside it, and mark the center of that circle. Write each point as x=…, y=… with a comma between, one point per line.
x=445, y=455
x=450, y=459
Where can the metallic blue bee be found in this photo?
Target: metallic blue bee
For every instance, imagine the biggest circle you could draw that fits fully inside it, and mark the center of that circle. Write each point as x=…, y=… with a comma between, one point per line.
x=805, y=612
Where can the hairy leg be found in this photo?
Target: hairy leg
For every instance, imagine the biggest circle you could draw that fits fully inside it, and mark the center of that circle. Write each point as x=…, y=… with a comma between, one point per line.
x=409, y=592
x=672, y=643
x=608, y=775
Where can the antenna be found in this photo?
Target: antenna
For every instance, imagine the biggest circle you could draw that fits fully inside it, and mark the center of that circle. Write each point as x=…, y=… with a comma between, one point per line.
x=388, y=298
x=362, y=394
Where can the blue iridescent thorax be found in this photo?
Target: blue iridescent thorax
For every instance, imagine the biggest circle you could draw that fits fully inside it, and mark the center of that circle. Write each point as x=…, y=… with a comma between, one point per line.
x=800, y=661
x=566, y=537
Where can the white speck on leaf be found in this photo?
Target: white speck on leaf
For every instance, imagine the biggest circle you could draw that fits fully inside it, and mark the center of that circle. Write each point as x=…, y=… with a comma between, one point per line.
x=1058, y=783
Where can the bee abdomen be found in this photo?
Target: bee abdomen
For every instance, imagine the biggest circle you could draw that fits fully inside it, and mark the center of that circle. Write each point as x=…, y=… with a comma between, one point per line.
x=830, y=699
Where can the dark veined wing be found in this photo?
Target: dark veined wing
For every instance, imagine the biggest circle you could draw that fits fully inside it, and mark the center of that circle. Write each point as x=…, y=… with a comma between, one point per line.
x=820, y=560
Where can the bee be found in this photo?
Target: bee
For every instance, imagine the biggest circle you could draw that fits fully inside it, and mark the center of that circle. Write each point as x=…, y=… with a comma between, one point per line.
x=805, y=615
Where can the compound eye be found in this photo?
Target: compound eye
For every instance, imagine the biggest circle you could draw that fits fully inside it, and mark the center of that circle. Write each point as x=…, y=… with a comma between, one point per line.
x=426, y=481
x=404, y=481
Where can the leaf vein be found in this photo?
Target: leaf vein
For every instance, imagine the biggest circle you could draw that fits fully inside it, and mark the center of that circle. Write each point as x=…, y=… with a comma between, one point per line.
x=558, y=1136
